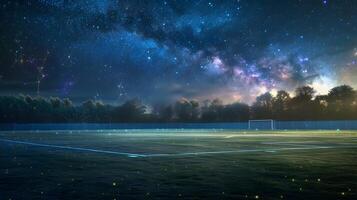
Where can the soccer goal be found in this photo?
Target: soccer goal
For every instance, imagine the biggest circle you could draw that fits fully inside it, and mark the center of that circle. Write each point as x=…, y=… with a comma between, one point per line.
x=262, y=124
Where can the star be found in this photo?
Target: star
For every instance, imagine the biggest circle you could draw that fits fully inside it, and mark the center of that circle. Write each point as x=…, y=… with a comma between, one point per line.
x=155, y=49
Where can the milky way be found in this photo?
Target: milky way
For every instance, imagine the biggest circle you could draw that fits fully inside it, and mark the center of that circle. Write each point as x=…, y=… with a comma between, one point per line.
x=159, y=51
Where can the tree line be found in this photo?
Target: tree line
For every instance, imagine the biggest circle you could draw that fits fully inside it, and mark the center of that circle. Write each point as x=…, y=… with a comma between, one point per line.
x=340, y=103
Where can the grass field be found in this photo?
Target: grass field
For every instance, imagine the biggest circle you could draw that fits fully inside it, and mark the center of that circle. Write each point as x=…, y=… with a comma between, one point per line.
x=178, y=164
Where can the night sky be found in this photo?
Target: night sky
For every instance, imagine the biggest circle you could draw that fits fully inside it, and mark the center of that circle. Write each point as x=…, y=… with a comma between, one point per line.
x=159, y=51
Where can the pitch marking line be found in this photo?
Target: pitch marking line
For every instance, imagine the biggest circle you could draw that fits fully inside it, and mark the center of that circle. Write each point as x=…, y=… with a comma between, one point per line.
x=234, y=151
x=297, y=144
x=133, y=155
x=312, y=144
x=72, y=148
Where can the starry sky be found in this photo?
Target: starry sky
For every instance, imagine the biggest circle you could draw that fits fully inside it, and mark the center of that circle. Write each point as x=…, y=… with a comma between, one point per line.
x=159, y=51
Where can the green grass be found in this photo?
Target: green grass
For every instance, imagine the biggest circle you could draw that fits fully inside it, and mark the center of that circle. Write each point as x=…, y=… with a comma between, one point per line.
x=230, y=165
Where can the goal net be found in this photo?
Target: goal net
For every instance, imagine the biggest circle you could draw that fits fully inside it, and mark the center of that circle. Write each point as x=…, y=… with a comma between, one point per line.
x=263, y=124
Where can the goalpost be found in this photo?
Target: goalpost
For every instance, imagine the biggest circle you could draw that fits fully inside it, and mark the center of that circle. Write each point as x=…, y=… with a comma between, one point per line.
x=261, y=124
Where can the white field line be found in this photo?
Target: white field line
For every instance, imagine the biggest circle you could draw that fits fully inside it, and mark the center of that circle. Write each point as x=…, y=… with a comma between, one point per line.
x=71, y=148
x=133, y=155
x=308, y=143
x=296, y=142
x=230, y=136
x=235, y=151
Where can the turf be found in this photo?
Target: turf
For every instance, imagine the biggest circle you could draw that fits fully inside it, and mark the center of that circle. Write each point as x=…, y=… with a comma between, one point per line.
x=178, y=164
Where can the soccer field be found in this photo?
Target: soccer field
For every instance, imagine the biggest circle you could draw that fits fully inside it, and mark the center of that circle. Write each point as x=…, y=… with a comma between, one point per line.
x=178, y=164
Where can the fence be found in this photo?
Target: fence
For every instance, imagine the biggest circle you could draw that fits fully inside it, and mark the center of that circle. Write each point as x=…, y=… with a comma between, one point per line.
x=93, y=126
x=279, y=125
x=317, y=125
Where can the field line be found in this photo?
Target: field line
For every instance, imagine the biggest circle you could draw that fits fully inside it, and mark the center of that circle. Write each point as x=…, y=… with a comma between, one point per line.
x=133, y=155
x=71, y=148
x=235, y=151
x=294, y=142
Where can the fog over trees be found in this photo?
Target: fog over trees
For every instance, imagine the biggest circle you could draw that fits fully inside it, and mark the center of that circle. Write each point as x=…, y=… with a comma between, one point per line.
x=340, y=103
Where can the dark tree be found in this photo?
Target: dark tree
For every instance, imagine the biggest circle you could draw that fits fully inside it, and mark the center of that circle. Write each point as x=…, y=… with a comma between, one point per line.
x=132, y=110
x=304, y=94
x=280, y=106
x=165, y=113
x=87, y=110
x=340, y=101
x=186, y=110
x=235, y=112
x=262, y=107
x=212, y=111
x=302, y=107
